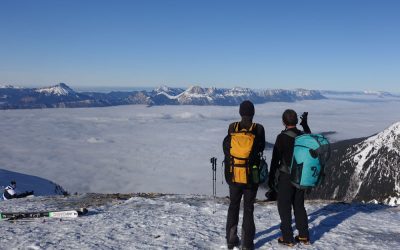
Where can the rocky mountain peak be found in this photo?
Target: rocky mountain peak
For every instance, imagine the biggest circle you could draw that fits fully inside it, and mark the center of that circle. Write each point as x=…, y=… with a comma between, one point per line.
x=389, y=138
x=60, y=89
x=195, y=90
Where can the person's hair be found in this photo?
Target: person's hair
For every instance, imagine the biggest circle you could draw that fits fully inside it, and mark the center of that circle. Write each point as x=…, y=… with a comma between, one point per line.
x=289, y=117
x=246, y=108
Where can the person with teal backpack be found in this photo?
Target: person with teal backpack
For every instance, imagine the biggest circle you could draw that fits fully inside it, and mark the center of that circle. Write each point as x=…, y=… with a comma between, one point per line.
x=280, y=179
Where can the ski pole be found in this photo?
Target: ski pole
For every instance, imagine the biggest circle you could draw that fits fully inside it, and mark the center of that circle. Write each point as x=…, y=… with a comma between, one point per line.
x=215, y=177
x=222, y=171
x=213, y=161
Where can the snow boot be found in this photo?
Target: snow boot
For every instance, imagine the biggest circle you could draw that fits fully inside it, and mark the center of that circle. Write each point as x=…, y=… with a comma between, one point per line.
x=286, y=243
x=234, y=244
x=302, y=240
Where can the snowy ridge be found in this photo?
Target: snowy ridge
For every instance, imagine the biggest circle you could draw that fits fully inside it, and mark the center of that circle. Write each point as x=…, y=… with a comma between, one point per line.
x=364, y=169
x=7, y=87
x=389, y=138
x=377, y=93
x=367, y=96
x=61, y=95
x=195, y=93
x=220, y=96
x=238, y=91
x=60, y=89
x=381, y=151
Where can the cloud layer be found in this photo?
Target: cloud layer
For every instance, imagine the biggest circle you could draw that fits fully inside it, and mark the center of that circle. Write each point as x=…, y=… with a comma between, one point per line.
x=156, y=149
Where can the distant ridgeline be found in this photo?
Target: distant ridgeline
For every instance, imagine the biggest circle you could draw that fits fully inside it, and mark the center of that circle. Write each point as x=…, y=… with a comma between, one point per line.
x=61, y=96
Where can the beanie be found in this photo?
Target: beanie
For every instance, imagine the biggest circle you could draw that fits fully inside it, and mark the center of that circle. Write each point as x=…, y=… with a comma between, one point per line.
x=246, y=108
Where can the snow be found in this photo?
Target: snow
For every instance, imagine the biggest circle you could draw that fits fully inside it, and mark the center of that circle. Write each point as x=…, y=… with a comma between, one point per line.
x=167, y=95
x=188, y=222
x=9, y=87
x=162, y=88
x=238, y=91
x=26, y=182
x=390, y=139
x=194, y=92
x=60, y=89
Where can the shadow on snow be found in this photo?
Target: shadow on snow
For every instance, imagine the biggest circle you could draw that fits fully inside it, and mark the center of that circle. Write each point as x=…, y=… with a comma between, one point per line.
x=334, y=214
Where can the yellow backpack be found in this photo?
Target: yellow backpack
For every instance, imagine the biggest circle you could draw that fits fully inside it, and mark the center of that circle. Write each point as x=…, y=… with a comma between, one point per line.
x=241, y=143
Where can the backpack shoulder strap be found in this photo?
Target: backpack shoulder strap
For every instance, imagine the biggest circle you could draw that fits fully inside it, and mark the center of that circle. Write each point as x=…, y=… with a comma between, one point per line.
x=237, y=129
x=236, y=126
x=289, y=133
x=252, y=127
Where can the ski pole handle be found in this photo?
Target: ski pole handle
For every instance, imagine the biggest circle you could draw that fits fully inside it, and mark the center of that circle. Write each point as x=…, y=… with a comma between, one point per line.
x=213, y=161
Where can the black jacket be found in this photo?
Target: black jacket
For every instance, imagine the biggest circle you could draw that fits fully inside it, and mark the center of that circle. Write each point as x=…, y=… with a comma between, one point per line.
x=259, y=143
x=283, y=152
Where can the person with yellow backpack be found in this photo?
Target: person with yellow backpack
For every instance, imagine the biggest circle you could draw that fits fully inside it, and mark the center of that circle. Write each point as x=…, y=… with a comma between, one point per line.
x=243, y=146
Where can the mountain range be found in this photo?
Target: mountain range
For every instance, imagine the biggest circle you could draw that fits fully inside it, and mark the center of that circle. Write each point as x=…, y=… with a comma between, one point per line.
x=61, y=95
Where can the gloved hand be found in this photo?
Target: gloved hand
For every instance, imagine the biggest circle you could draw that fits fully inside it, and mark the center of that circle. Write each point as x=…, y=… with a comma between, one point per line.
x=271, y=195
x=303, y=118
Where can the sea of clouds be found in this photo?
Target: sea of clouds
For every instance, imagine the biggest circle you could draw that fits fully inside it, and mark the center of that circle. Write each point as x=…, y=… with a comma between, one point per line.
x=157, y=149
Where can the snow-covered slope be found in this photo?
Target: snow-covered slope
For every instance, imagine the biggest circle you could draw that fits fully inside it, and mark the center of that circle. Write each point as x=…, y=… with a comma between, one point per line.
x=189, y=222
x=377, y=161
x=366, y=171
x=26, y=182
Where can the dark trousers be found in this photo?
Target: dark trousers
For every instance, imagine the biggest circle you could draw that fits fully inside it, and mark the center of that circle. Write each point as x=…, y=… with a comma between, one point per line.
x=248, y=227
x=289, y=196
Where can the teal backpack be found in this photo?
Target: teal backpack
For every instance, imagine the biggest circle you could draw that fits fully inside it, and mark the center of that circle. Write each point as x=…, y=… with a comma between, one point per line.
x=311, y=152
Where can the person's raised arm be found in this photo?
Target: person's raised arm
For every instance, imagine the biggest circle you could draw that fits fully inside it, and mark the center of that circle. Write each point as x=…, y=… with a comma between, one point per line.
x=304, y=123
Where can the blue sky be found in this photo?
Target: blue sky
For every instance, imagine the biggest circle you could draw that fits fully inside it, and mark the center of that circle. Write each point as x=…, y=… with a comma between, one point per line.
x=320, y=44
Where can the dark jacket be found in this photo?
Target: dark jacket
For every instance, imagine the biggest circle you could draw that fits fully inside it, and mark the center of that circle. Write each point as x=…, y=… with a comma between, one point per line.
x=283, y=153
x=258, y=146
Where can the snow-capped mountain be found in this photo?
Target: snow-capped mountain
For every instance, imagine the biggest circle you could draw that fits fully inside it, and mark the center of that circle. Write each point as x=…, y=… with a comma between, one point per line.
x=167, y=91
x=60, y=89
x=56, y=96
x=61, y=95
x=196, y=95
x=365, y=171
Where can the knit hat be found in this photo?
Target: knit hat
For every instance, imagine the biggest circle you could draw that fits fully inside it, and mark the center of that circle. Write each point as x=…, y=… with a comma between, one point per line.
x=246, y=108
